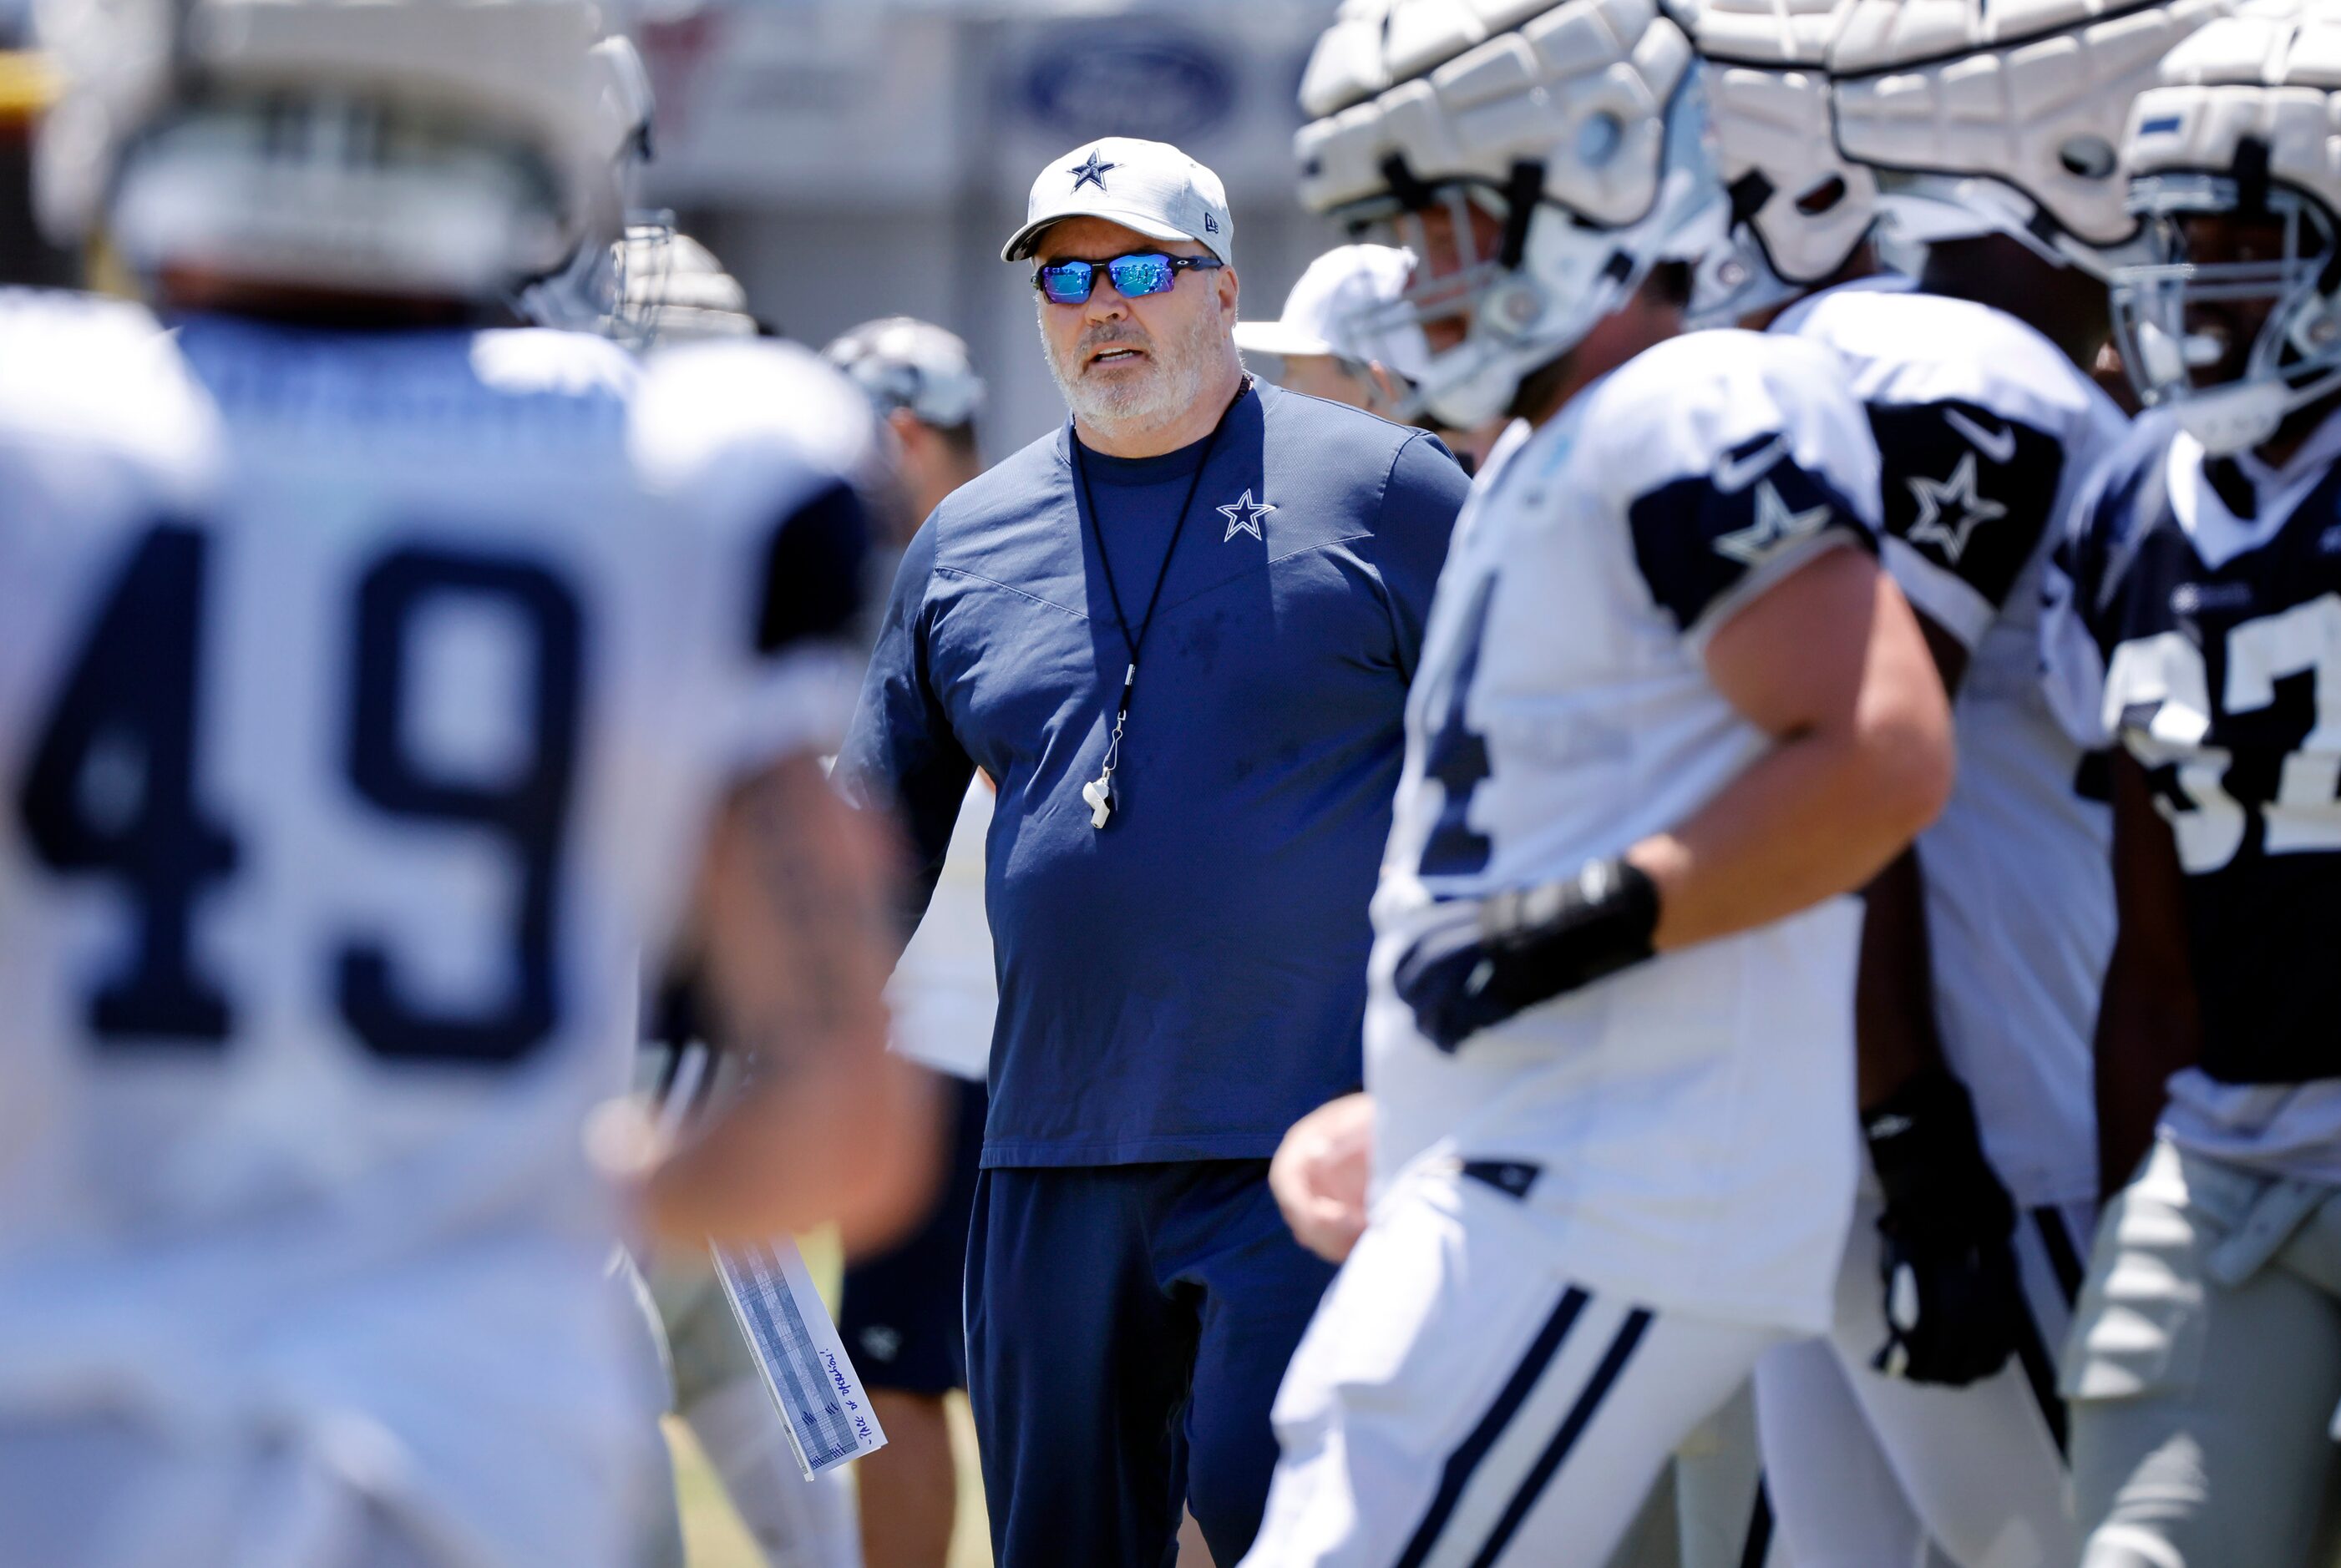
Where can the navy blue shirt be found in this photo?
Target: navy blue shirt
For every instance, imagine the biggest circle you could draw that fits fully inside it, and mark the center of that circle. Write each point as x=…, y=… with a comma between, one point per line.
x=1189, y=980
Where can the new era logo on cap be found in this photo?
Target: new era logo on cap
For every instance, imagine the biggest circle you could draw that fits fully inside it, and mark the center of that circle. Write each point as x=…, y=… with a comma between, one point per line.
x=1151, y=187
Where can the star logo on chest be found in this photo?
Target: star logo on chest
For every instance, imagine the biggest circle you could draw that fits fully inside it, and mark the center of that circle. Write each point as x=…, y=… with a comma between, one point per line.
x=1775, y=527
x=1243, y=515
x=1091, y=172
x=1935, y=498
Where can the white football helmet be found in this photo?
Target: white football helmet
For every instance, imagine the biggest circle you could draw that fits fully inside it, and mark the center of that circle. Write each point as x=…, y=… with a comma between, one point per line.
x=429, y=148
x=672, y=290
x=902, y=363
x=2003, y=116
x=1799, y=210
x=1576, y=126
x=587, y=293
x=2243, y=126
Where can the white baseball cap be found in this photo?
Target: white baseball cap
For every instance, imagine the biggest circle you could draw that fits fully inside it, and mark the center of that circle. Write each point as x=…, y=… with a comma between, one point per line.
x=1149, y=186
x=907, y=363
x=1333, y=310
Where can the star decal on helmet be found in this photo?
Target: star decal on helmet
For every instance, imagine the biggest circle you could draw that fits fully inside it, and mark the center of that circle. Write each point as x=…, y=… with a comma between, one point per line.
x=1934, y=497
x=1091, y=172
x=1775, y=527
x=1243, y=515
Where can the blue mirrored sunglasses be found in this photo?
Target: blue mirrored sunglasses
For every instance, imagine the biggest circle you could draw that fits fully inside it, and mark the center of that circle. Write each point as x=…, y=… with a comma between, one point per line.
x=1146, y=273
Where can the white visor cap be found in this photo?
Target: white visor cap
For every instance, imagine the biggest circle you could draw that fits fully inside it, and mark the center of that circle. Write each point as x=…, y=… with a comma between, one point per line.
x=1342, y=306
x=1149, y=186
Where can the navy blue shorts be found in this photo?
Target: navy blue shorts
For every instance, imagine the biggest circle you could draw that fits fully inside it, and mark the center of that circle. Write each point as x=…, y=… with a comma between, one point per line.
x=1127, y=1329
x=900, y=1310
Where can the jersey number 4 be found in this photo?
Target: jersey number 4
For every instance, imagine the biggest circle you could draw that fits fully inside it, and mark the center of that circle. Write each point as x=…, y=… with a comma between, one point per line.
x=112, y=793
x=1456, y=756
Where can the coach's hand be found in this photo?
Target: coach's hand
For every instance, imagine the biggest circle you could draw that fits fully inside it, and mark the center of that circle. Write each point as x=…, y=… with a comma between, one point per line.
x=1953, y=1301
x=1529, y=945
x=1319, y=1172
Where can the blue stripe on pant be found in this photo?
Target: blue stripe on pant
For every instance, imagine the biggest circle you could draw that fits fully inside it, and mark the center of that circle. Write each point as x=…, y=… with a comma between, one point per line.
x=1127, y=1329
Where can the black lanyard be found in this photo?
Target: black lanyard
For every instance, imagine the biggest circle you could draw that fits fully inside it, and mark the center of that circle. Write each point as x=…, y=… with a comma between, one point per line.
x=1099, y=793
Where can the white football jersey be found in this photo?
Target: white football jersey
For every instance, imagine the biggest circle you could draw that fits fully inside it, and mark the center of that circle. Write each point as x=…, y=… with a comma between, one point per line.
x=1685, y=1129
x=1985, y=433
x=945, y=993
x=364, y=698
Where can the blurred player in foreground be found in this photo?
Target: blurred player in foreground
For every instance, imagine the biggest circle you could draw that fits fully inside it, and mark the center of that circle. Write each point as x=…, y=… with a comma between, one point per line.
x=663, y=290
x=1930, y=1409
x=378, y=692
x=1670, y=711
x=2197, y=627
x=902, y=1311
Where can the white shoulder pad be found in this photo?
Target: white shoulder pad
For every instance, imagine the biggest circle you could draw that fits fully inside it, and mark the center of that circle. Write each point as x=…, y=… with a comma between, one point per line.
x=2265, y=73
x=701, y=400
x=100, y=373
x=1906, y=347
x=2032, y=93
x=1685, y=406
x=1784, y=33
x=520, y=361
x=1882, y=35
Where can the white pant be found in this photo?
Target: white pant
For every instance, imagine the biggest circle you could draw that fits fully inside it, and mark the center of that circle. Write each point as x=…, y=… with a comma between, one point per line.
x=2205, y=1368
x=1864, y=1469
x=1458, y=1400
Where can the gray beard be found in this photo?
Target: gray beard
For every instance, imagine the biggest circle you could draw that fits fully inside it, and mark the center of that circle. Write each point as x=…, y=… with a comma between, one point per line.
x=1182, y=370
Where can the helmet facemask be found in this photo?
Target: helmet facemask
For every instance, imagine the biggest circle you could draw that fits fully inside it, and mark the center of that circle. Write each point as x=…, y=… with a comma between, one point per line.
x=2178, y=316
x=1531, y=276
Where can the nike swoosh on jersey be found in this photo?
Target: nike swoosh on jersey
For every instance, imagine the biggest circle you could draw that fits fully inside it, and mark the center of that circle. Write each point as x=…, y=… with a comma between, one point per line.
x=1999, y=445
x=1733, y=474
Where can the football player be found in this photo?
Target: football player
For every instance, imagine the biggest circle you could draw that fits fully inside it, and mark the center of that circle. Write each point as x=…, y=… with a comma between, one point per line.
x=2196, y=627
x=1668, y=712
x=378, y=693
x=1936, y=1386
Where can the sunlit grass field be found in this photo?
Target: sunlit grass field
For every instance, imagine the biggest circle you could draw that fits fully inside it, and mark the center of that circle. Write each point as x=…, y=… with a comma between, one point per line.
x=714, y=1535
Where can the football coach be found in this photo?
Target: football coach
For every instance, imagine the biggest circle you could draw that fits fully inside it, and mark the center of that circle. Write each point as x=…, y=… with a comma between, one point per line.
x=1177, y=633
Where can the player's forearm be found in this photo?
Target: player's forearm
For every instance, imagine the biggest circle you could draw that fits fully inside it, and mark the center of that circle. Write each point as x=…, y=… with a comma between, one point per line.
x=843, y=1139
x=1895, y=1031
x=2145, y=1032
x=1818, y=815
x=794, y=940
x=2149, y=1025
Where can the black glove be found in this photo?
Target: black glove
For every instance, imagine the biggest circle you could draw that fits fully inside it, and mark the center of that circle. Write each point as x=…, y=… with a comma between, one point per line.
x=1528, y=945
x=1954, y=1306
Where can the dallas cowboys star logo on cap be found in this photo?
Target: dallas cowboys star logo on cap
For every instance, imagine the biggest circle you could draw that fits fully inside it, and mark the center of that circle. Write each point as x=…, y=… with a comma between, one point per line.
x=1243, y=515
x=1090, y=173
